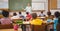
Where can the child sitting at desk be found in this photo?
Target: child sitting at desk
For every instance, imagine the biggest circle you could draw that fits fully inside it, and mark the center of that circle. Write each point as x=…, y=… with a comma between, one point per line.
x=15, y=16
x=36, y=22
x=6, y=22
x=21, y=16
x=50, y=21
x=42, y=15
x=56, y=14
x=6, y=19
x=28, y=16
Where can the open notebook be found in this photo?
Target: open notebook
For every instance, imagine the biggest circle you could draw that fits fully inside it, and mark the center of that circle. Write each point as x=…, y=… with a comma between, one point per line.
x=19, y=21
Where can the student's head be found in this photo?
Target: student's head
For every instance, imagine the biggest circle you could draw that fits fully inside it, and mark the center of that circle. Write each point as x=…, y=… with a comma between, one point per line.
x=57, y=14
x=48, y=13
x=5, y=13
x=41, y=11
x=27, y=12
x=51, y=16
x=19, y=12
x=14, y=14
x=34, y=15
x=28, y=4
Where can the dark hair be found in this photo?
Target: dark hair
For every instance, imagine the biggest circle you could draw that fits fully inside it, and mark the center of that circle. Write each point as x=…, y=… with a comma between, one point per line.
x=27, y=12
x=5, y=13
x=34, y=15
x=57, y=14
x=14, y=14
x=19, y=12
x=48, y=13
x=59, y=20
x=41, y=11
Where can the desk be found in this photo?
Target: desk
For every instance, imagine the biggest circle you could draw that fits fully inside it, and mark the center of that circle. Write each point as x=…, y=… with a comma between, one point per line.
x=35, y=27
x=22, y=23
x=6, y=26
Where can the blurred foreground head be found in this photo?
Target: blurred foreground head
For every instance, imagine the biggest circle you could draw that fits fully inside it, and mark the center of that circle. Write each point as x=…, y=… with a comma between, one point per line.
x=34, y=15
x=5, y=13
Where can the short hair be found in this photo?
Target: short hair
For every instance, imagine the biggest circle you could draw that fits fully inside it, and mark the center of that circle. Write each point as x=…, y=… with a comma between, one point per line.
x=48, y=13
x=34, y=15
x=19, y=12
x=27, y=12
x=57, y=14
x=5, y=13
x=14, y=14
x=41, y=11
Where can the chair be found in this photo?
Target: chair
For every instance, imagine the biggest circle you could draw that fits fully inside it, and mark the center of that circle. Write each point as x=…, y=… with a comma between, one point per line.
x=6, y=26
x=38, y=27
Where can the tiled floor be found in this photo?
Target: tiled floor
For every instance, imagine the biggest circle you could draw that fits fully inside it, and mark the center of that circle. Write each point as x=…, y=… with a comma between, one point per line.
x=10, y=29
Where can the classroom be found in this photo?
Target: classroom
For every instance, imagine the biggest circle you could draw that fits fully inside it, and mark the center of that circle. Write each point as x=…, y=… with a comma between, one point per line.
x=29, y=15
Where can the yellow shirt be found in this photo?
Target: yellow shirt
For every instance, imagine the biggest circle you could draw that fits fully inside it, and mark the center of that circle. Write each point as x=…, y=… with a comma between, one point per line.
x=36, y=22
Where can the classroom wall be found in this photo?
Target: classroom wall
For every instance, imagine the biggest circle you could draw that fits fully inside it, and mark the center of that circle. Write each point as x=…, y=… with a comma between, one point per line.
x=53, y=4
x=3, y=3
x=53, y=11
x=58, y=4
x=39, y=4
x=45, y=6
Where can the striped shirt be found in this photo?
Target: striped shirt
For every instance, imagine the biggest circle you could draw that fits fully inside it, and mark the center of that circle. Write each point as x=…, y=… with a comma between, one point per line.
x=5, y=21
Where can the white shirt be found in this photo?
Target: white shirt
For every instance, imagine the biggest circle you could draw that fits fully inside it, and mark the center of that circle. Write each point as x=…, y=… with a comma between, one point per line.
x=28, y=9
x=42, y=15
x=15, y=17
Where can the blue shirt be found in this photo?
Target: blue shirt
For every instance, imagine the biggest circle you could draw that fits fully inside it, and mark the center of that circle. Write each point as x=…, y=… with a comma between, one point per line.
x=49, y=20
x=55, y=22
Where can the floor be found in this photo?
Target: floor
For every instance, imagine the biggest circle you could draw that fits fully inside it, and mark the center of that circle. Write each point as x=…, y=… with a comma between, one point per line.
x=10, y=29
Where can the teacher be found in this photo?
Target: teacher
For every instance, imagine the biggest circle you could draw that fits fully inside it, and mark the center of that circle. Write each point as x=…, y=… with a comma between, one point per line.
x=28, y=8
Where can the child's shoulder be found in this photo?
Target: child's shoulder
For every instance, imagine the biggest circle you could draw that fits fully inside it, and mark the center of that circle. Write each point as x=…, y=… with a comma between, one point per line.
x=49, y=20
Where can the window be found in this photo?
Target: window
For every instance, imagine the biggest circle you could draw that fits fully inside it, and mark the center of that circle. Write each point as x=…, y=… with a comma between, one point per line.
x=39, y=4
x=3, y=3
x=58, y=4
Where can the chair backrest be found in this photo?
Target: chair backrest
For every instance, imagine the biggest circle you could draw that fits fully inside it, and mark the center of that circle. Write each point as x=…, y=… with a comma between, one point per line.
x=38, y=27
x=6, y=26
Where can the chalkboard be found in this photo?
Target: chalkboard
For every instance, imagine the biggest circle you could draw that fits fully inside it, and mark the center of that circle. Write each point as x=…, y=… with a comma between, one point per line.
x=18, y=4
